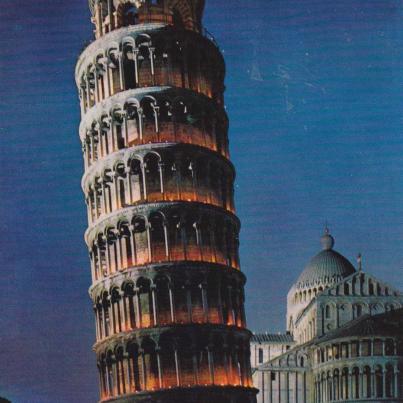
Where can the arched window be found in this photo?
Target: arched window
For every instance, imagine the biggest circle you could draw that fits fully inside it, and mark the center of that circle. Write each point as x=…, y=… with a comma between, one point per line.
x=220, y=372
x=344, y=350
x=140, y=240
x=176, y=58
x=355, y=382
x=120, y=177
x=144, y=63
x=116, y=313
x=344, y=383
x=109, y=373
x=181, y=302
x=378, y=381
x=129, y=67
x=132, y=129
x=336, y=384
x=136, y=192
x=131, y=314
x=367, y=387
x=177, y=19
x=150, y=121
x=260, y=360
x=175, y=235
x=225, y=304
x=136, y=365
x=203, y=367
x=327, y=311
x=163, y=301
x=102, y=375
x=127, y=15
x=153, y=176
x=111, y=244
x=329, y=387
x=213, y=300
x=167, y=357
x=187, y=179
x=358, y=310
x=389, y=381
x=126, y=247
x=150, y=365
x=185, y=354
x=336, y=351
x=190, y=227
x=145, y=302
x=378, y=347
x=120, y=372
x=389, y=347
x=366, y=348
x=157, y=235
x=197, y=302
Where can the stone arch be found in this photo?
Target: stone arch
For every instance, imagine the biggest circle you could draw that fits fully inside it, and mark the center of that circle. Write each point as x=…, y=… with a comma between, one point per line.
x=150, y=364
x=185, y=358
x=378, y=379
x=163, y=300
x=126, y=245
x=145, y=66
x=120, y=369
x=389, y=381
x=145, y=302
x=220, y=373
x=153, y=175
x=135, y=361
x=133, y=122
x=167, y=357
x=355, y=382
x=345, y=390
x=158, y=236
x=136, y=180
x=182, y=16
x=129, y=66
x=367, y=382
x=150, y=117
x=122, y=199
x=127, y=14
x=111, y=235
x=140, y=239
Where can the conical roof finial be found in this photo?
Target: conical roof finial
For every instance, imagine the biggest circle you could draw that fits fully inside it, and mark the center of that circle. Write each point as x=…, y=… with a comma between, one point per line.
x=359, y=262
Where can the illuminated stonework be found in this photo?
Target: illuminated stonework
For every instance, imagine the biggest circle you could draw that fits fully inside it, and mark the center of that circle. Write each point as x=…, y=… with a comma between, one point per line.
x=167, y=291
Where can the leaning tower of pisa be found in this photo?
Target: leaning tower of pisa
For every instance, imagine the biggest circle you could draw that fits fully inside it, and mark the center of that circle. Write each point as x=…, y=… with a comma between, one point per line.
x=167, y=291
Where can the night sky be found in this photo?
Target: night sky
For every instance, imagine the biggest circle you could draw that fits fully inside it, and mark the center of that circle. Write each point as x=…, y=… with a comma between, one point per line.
x=314, y=96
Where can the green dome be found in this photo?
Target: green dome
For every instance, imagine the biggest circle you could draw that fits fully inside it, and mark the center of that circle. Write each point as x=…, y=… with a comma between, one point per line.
x=327, y=267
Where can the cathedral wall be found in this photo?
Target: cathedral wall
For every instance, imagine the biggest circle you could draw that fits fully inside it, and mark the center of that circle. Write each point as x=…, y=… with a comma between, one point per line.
x=306, y=327
x=364, y=369
x=263, y=352
x=336, y=311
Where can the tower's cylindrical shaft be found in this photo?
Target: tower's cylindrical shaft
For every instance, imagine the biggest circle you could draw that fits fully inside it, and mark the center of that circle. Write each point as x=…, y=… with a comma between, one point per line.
x=167, y=291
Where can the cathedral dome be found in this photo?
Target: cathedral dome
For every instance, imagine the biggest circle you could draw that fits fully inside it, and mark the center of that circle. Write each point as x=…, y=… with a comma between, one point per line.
x=327, y=267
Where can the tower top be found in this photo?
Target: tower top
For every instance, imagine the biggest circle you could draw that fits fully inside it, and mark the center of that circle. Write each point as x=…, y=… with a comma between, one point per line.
x=108, y=15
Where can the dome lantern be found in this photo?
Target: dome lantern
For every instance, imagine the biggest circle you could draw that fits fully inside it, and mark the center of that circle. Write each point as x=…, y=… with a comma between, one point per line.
x=327, y=241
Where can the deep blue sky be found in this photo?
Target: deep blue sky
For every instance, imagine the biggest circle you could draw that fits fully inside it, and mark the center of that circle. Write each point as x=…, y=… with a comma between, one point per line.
x=318, y=137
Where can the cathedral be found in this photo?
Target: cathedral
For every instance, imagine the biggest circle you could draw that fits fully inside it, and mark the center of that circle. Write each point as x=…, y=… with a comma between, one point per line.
x=343, y=340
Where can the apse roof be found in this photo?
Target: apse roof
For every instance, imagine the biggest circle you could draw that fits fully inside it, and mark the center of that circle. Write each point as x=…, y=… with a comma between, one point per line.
x=385, y=324
x=272, y=338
